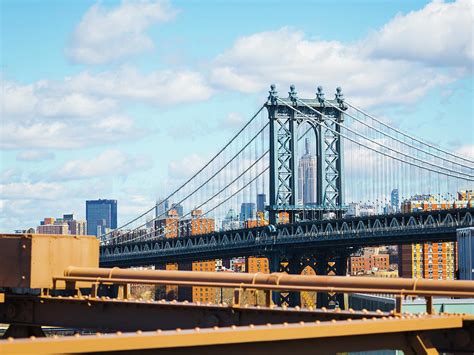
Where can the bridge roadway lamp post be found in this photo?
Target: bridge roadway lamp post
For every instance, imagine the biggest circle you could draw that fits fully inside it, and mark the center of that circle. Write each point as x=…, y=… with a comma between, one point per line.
x=286, y=118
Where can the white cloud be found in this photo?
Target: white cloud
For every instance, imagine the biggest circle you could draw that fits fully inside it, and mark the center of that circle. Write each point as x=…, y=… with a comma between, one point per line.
x=34, y=155
x=106, y=34
x=466, y=151
x=111, y=162
x=441, y=34
x=233, y=121
x=285, y=56
x=34, y=191
x=186, y=166
x=49, y=115
x=75, y=105
x=164, y=87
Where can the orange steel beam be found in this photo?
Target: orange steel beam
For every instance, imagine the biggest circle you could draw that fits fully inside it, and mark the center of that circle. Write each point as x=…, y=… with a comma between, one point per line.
x=279, y=281
x=302, y=338
x=84, y=312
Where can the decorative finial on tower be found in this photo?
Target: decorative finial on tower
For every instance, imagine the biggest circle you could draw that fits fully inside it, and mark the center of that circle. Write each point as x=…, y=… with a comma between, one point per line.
x=340, y=98
x=272, y=98
x=320, y=95
x=293, y=95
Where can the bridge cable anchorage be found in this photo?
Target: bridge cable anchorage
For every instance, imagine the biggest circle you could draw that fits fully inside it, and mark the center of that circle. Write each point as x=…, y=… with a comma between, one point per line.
x=380, y=144
x=209, y=179
x=396, y=139
x=368, y=147
x=409, y=136
x=196, y=174
x=216, y=194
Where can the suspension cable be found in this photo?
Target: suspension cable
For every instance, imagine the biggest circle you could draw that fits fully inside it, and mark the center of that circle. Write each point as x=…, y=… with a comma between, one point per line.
x=208, y=180
x=409, y=136
x=379, y=144
x=366, y=146
x=196, y=174
x=394, y=138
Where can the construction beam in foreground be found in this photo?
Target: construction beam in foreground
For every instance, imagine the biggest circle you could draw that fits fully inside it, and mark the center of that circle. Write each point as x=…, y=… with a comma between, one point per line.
x=412, y=334
x=129, y=315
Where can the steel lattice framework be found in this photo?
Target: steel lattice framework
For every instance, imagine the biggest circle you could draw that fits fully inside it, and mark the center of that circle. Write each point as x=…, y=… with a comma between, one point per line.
x=284, y=126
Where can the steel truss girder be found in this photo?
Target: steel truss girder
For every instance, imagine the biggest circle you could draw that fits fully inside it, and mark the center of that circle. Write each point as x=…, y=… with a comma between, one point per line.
x=119, y=315
x=413, y=335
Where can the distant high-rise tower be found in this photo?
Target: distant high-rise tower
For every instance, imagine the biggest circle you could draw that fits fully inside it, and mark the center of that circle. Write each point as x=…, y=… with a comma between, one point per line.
x=178, y=208
x=161, y=207
x=100, y=215
x=307, y=176
x=247, y=211
x=261, y=201
x=395, y=200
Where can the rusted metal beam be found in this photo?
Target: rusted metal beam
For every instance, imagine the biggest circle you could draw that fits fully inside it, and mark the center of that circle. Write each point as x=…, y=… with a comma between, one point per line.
x=301, y=338
x=129, y=315
x=277, y=281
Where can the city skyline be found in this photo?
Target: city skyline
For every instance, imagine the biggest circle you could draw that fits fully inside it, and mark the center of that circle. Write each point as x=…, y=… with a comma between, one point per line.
x=120, y=145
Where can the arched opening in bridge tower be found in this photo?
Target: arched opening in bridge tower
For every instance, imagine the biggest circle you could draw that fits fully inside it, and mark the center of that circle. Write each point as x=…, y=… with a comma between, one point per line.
x=307, y=155
x=307, y=298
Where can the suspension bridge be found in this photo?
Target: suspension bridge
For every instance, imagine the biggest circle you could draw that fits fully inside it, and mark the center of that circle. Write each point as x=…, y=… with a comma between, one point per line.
x=356, y=159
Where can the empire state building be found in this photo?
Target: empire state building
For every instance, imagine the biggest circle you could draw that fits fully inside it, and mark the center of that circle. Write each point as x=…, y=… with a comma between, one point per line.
x=307, y=176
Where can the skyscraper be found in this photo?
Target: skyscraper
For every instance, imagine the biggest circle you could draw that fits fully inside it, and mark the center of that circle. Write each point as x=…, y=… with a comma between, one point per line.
x=307, y=176
x=261, y=201
x=101, y=214
x=178, y=208
x=395, y=200
x=247, y=211
x=161, y=207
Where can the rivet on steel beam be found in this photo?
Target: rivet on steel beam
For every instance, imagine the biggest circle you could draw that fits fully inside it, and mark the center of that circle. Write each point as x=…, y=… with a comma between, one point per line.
x=41, y=301
x=98, y=334
x=138, y=331
x=297, y=308
x=186, y=302
x=338, y=310
x=301, y=323
x=55, y=336
x=215, y=327
x=374, y=318
x=23, y=246
x=351, y=310
x=178, y=330
x=233, y=326
x=269, y=324
x=311, y=308
x=23, y=277
x=285, y=324
x=318, y=322
x=197, y=329
x=32, y=337
x=349, y=319
x=158, y=331
x=365, y=311
x=364, y=319
x=284, y=307
x=324, y=309
x=333, y=321
x=118, y=333
x=10, y=339
x=251, y=326
x=77, y=335
x=378, y=311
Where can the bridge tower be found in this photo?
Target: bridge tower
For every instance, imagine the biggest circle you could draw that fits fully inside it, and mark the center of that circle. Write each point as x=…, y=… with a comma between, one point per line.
x=286, y=115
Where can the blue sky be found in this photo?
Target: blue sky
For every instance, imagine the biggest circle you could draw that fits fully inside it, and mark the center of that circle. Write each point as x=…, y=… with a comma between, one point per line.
x=116, y=99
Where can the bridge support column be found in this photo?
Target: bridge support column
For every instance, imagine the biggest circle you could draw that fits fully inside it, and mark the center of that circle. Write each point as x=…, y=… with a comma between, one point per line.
x=331, y=264
x=289, y=265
